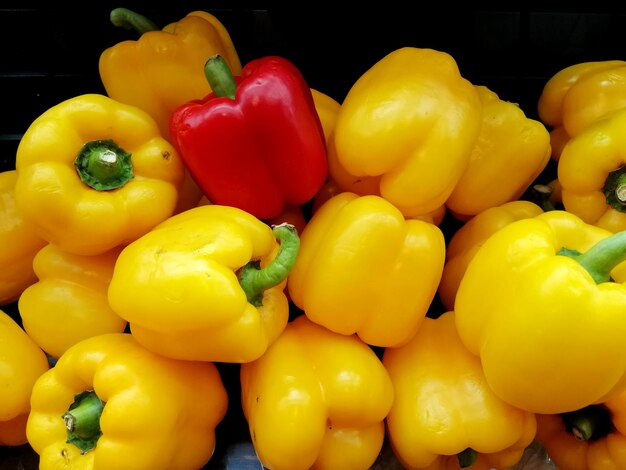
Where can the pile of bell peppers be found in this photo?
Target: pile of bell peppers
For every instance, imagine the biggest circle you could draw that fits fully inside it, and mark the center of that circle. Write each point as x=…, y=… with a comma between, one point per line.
x=376, y=268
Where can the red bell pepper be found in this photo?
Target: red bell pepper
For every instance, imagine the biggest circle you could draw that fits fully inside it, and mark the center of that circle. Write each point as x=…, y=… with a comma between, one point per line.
x=255, y=142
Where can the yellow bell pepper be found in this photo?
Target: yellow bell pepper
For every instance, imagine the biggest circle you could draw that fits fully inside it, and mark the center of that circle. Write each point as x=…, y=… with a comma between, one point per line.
x=292, y=215
x=21, y=364
x=542, y=303
x=164, y=68
x=481, y=462
x=94, y=174
x=206, y=284
x=327, y=109
x=591, y=173
x=558, y=140
x=469, y=238
x=444, y=406
x=110, y=403
x=578, y=95
x=20, y=241
x=592, y=438
x=69, y=301
x=510, y=153
x=364, y=269
x=366, y=186
x=316, y=399
x=411, y=121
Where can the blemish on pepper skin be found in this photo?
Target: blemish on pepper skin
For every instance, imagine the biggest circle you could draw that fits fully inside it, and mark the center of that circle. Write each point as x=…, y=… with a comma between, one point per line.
x=166, y=155
x=65, y=456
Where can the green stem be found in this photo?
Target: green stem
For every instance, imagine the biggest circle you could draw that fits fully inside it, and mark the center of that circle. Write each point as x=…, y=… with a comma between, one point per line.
x=582, y=428
x=128, y=19
x=220, y=77
x=255, y=281
x=103, y=165
x=602, y=257
x=82, y=421
x=589, y=424
x=467, y=457
x=542, y=193
x=614, y=189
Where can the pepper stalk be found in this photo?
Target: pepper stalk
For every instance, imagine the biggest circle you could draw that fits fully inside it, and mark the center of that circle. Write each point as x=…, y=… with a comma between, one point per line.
x=602, y=257
x=128, y=19
x=589, y=424
x=82, y=421
x=254, y=281
x=220, y=77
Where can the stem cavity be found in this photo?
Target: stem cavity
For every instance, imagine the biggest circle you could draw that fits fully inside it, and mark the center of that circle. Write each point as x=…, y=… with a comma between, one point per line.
x=591, y=423
x=103, y=165
x=614, y=189
x=467, y=458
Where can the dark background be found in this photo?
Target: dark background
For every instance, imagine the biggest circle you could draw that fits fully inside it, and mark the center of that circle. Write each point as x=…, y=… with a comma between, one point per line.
x=49, y=52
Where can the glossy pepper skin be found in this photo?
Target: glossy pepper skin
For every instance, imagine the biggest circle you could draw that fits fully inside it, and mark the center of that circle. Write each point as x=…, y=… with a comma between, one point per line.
x=342, y=181
x=510, y=152
x=19, y=241
x=182, y=288
x=69, y=301
x=259, y=145
x=364, y=269
x=94, y=174
x=411, y=121
x=591, y=173
x=293, y=215
x=593, y=438
x=469, y=238
x=21, y=364
x=325, y=394
x=164, y=68
x=547, y=324
x=327, y=109
x=576, y=96
x=444, y=406
x=154, y=412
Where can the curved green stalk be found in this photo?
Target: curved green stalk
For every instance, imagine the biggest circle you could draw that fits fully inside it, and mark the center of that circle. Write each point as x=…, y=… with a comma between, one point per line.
x=82, y=421
x=255, y=281
x=128, y=19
